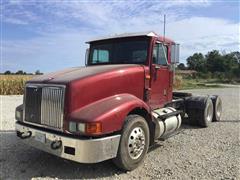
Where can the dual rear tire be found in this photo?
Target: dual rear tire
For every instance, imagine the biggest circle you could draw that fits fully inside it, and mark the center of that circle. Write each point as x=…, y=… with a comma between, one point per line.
x=217, y=104
x=202, y=110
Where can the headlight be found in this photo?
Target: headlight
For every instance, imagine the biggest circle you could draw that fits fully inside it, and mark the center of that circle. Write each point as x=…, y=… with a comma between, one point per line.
x=76, y=127
x=19, y=113
x=81, y=127
x=72, y=126
x=85, y=128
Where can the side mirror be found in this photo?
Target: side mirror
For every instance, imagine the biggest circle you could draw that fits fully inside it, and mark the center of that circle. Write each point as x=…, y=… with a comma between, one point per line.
x=86, y=56
x=175, y=53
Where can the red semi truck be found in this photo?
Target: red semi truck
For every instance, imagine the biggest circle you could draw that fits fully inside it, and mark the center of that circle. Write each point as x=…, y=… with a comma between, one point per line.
x=115, y=107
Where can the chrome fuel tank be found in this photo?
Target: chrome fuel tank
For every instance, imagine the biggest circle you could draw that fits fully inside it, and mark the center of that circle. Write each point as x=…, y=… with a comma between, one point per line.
x=168, y=125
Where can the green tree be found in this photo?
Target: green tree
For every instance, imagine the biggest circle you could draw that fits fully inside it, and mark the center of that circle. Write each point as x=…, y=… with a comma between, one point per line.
x=232, y=65
x=38, y=72
x=20, y=72
x=7, y=72
x=215, y=62
x=181, y=66
x=232, y=60
x=197, y=62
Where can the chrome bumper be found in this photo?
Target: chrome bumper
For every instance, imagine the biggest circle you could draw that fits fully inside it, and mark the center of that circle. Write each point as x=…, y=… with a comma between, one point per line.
x=79, y=150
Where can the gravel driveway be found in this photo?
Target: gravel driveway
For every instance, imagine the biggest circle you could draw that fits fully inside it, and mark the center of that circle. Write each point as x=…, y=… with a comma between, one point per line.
x=195, y=153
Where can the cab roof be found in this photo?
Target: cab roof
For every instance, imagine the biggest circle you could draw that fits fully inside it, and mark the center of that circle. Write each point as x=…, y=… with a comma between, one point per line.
x=137, y=34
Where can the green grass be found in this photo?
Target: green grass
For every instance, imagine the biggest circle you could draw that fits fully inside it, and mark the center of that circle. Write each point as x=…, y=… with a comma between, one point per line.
x=201, y=83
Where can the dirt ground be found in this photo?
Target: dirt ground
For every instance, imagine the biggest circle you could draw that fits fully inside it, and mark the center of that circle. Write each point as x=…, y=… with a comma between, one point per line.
x=195, y=153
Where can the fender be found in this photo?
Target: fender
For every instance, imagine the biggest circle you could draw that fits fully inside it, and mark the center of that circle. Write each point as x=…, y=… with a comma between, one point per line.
x=110, y=111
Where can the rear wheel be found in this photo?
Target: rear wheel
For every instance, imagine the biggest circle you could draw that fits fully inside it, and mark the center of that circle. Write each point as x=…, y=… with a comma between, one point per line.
x=200, y=110
x=208, y=114
x=134, y=143
x=217, y=105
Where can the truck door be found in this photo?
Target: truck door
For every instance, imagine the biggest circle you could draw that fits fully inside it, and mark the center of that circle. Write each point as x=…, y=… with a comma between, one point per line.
x=160, y=76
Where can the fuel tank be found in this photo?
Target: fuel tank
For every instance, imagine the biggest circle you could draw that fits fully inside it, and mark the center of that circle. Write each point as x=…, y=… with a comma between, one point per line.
x=168, y=125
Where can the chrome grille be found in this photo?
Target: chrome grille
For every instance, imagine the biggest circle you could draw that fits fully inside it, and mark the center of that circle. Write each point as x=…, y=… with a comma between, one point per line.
x=52, y=106
x=32, y=110
x=44, y=105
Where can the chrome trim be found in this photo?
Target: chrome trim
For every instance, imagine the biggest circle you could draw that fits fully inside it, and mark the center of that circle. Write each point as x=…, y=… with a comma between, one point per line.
x=52, y=106
x=136, y=142
x=86, y=150
x=60, y=125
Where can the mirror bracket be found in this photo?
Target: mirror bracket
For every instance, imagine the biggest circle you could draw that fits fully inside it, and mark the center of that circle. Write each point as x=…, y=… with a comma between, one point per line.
x=86, y=56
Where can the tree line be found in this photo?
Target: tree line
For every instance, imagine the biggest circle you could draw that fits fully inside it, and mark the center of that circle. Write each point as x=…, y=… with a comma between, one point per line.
x=21, y=72
x=214, y=64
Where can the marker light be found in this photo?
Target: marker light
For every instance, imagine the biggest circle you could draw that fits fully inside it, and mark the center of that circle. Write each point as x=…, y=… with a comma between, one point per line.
x=85, y=128
x=93, y=128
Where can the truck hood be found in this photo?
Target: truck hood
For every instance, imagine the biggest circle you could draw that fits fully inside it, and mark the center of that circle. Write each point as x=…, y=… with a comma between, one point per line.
x=77, y=73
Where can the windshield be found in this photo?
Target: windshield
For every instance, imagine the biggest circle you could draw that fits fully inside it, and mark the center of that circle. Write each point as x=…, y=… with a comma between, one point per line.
x=119, y=52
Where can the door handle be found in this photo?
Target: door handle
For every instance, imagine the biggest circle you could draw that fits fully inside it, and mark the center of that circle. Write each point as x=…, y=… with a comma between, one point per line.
x=156, y=71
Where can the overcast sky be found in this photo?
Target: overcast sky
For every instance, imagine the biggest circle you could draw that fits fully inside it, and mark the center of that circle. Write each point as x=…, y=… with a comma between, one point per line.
x=51, y=35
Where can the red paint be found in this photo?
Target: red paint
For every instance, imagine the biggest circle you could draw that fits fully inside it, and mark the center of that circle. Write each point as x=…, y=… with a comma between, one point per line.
x=111, y=111
x=128, y=79
x=93, y=88
x=159, y=87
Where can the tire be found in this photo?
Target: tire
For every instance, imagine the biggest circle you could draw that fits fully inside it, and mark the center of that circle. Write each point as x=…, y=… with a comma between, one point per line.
x=217, y=105
x=199, y=110
x=130, y=156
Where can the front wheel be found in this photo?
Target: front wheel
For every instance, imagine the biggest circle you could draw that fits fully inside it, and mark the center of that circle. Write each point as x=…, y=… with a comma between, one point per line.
x=134, y=143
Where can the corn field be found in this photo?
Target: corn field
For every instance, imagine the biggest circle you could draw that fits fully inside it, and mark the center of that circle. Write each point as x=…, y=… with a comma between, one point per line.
x=13, y=84
x=178, y=82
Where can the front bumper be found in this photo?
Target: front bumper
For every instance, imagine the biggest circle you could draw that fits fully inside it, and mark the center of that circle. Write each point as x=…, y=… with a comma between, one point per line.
x=75, y=149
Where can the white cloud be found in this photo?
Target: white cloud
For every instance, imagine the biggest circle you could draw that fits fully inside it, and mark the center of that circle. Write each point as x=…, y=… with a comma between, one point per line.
x=65, y=27
x=48, y=53
x=15, y=21
x=189, y=3
x=201, y=34
x=13, y=12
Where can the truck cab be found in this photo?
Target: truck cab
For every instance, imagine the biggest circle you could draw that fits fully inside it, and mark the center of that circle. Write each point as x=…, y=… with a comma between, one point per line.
x=115, y=107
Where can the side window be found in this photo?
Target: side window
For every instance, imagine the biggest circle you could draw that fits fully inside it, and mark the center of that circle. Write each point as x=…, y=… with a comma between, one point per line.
x=160, y=54
x=155, y=53
x=100, y=56
x=139, y=56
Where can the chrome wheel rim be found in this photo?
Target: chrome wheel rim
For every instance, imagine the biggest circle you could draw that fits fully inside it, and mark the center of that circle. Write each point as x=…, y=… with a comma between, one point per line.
x=209, y=112
x=136, y=142
x=219, y=109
